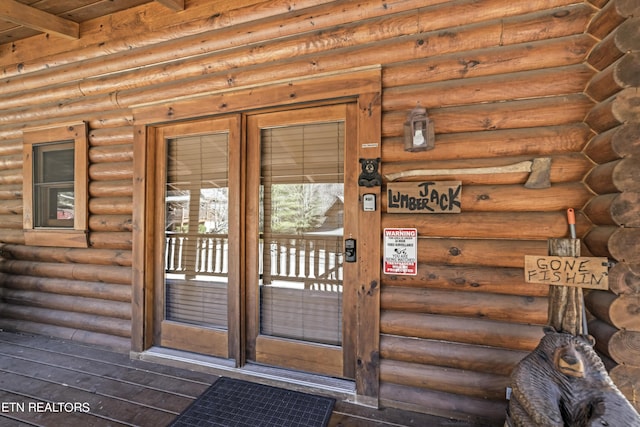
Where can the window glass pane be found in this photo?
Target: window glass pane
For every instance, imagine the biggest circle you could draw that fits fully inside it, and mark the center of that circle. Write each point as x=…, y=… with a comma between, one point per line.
x=302, y=207
x=196, y=230
x=53, y=185
x=57, y=165
x=65, y=204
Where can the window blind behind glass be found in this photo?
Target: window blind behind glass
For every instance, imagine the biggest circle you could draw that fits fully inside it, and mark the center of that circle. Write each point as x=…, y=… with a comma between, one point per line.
x=196, y=233
x=303, y=196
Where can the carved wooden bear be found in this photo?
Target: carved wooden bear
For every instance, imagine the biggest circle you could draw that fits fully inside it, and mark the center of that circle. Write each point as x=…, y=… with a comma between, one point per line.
x=369, y=175
x=563, y=383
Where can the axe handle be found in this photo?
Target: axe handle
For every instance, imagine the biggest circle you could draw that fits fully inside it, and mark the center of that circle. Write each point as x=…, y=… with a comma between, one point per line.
x=524, y=166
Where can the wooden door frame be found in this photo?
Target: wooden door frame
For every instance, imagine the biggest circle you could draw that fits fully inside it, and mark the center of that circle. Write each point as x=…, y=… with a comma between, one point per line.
x=362, y=85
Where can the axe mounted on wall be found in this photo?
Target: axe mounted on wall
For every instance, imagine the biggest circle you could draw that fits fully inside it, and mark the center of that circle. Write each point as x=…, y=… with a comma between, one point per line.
x=539, y=172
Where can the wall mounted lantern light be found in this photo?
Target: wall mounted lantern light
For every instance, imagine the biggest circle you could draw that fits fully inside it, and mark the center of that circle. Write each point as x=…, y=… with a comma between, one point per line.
x=419, y=133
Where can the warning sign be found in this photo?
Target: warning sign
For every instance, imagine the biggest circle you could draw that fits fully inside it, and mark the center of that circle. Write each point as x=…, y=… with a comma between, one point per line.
x=401, y=251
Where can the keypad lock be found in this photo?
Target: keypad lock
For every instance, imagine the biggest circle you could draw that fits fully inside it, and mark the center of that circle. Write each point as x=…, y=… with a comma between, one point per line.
x=350, y=250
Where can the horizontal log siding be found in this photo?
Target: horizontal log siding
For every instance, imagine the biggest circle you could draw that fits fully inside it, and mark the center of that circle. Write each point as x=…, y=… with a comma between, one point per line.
x=469, y=297
x=503, y=80
x=81, y=294
x=615, y=179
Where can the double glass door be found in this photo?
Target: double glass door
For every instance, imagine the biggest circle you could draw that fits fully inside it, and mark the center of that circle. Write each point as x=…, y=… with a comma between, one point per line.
x=254, y=211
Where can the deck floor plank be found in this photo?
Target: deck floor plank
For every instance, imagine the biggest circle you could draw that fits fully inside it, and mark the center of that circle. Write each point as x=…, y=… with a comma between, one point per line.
x=95, y=384
x=10, y=414
x=121, y=391
x=97, y=374
x=100, y=354
x=118, y=391
x=101, y=411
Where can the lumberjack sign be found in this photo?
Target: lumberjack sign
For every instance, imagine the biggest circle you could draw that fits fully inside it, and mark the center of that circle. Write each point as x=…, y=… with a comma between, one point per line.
x=583, y=272
x=424, y=197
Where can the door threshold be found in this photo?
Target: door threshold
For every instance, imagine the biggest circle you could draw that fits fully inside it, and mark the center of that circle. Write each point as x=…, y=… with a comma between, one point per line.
x=337, y=388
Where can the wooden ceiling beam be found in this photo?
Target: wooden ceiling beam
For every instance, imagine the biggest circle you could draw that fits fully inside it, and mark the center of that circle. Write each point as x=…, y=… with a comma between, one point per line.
x=172, y=4
x=36, y=19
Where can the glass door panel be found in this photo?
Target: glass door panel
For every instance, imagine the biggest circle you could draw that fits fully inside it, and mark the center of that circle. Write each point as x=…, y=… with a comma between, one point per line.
x=301, y=246
x=196, y=230
x=199, y=269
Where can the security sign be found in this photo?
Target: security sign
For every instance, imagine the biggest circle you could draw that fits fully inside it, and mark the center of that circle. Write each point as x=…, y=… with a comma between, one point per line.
x=401, y=251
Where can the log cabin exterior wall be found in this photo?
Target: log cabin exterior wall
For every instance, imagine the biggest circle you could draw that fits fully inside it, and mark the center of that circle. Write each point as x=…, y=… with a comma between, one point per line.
x=504, y=82
x=615, y=180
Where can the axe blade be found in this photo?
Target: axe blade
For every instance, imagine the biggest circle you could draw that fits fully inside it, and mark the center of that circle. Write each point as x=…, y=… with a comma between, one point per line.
x=540, y=176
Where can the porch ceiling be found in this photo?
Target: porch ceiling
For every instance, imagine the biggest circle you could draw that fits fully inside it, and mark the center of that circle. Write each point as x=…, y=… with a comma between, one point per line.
x=20, y=19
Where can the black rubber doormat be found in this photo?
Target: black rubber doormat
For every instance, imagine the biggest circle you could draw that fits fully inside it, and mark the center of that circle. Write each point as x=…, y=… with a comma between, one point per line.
x=236, y=403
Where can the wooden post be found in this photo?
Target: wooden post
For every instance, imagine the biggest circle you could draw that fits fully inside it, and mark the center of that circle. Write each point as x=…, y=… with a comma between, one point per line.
x=367, y=372
x=566, y=303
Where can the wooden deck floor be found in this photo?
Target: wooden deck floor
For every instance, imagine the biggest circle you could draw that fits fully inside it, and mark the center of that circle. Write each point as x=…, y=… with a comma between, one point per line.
x=60, y=383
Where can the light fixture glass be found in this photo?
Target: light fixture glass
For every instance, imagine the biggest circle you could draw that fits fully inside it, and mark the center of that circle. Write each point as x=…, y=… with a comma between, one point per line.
x=419, y=133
